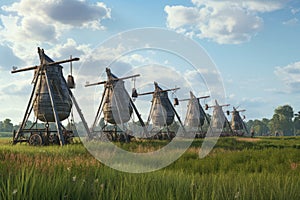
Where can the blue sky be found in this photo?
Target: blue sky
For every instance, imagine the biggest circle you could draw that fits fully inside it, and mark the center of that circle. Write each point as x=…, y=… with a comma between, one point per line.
x=254, y=43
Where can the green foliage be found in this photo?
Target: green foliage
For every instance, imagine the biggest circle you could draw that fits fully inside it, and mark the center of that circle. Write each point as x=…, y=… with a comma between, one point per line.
x=297, y=123
x=237, y=168
x=286, y=111
x=282, y=120
x=6, y=126
x=260, y=127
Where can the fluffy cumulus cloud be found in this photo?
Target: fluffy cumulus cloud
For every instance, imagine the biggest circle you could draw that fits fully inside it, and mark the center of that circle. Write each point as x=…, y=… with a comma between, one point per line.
x=290, y=75
x=44, y=22
x=64, y=12
x=224, y=22
x=69, y=48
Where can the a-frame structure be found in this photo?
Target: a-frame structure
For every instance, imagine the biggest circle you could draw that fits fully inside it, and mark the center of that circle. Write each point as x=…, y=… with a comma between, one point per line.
x=117, y=108
x=195, y=116
x=162, y=112
x=51, y=100
x=219, y=121
x=237, y=123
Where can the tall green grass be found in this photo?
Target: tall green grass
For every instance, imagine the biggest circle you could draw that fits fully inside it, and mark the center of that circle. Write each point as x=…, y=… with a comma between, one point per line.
x=265, y=169
x=107, y=184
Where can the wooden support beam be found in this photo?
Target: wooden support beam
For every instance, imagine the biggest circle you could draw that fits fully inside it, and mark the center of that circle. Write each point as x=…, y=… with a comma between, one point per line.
x=57, y=120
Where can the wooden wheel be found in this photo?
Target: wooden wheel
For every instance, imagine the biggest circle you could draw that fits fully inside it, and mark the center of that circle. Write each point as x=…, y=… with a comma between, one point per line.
x=53, y=139
x=35, y=140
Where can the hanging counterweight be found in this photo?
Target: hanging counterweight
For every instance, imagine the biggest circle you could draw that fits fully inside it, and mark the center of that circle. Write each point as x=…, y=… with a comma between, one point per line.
x=42, y=104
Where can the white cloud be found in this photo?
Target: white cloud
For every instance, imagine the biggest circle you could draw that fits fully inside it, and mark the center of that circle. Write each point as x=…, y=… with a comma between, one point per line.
x=291, y=22
x=10, y=59
x=42, y=23
x=17, y=89
x=250, y=5
x=179, y=16
x=205, y=82
x=224, y=22
x=34, y=27
x=230, y=96
x=76, y=13
x=69, y=48
x=26, y=24
x=255, y=101
x=14, y=94
x=294, y=11
x=290, y=75
x=136, y=59
x=95, y=62
x=20, y=42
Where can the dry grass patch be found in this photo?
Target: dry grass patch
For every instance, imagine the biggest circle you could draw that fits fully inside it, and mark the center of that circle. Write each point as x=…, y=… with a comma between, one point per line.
x=248, y=139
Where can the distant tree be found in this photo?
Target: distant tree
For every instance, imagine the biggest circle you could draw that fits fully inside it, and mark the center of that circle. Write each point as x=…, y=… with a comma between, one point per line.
x=259, y=127
x=249, y=124
x=1, y=126
x=266, y=126
x=297, y=123
x=286, y=111
x=7, y=125
x=275, y=124
x=16, y=127
x=282, y=120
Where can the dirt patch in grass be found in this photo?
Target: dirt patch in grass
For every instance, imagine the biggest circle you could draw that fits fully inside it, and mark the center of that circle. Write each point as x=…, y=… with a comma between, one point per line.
x=248, y=139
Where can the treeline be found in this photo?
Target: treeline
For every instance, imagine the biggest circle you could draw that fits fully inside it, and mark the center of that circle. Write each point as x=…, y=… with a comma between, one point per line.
x=7, y=126
x=284, y=122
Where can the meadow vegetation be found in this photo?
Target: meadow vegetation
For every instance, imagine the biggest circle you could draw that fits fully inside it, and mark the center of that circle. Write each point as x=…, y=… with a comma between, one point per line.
x=237, y=168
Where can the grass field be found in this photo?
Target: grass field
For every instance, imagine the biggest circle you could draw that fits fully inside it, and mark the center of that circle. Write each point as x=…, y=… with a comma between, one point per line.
x=237, y=168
